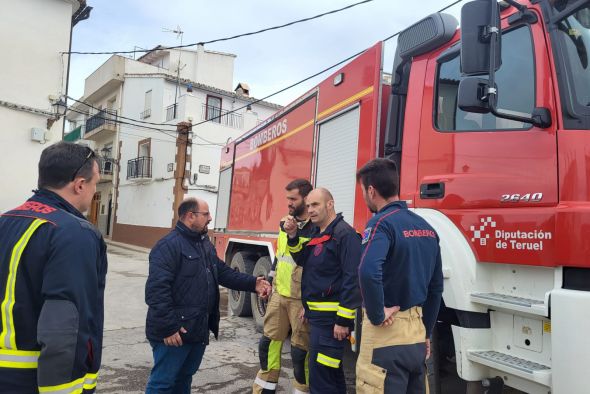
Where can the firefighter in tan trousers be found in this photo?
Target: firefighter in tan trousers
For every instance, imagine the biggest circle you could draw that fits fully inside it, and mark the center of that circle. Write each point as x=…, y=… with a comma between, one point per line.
x=400, y=276
x=284, y=311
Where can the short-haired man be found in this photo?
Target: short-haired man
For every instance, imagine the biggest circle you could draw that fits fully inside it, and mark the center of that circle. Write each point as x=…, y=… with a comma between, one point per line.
x=400, y=276
x=284, y=310
x=182, y=293
x=53, y=266
x=329, y=288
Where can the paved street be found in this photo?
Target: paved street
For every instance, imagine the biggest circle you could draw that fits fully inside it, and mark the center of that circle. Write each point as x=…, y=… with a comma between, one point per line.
x=230, y=364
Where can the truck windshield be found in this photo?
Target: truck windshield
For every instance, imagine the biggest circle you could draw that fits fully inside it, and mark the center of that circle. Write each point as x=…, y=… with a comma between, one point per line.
x=575, y=39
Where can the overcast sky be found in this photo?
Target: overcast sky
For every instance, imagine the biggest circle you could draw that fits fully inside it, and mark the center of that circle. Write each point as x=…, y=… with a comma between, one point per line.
x=267, y=61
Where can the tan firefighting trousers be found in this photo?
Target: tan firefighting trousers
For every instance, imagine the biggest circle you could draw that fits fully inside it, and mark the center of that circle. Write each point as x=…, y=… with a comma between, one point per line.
x=392, y=358
x=282, y=316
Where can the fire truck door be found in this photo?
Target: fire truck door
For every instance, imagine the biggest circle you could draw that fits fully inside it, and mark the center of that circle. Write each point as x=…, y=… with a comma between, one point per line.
x=471, y=160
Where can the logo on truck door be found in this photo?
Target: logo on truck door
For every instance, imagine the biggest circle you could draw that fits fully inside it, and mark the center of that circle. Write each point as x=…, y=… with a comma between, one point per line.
x=487, y=231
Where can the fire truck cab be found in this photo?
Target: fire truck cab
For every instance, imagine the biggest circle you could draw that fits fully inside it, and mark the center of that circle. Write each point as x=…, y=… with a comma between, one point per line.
x=489, y=126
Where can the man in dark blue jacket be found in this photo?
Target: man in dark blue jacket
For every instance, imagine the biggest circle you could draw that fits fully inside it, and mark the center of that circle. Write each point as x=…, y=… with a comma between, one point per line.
x=329, y=288
x=52, y=278
x=182, y=293
x=400, y=277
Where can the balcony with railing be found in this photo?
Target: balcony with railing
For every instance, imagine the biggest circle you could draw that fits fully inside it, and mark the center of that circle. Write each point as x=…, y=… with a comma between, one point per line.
x=139, y=169
x=103, y=121
x=145, y=114
x=223, y=117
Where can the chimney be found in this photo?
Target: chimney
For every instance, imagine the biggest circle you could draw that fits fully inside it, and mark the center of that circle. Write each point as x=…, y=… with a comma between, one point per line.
x=243, y=89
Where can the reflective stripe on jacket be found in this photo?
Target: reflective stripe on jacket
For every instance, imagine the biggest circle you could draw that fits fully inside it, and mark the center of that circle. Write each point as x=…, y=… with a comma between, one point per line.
x=330, y=259
x=52, y=277
x=287, y=274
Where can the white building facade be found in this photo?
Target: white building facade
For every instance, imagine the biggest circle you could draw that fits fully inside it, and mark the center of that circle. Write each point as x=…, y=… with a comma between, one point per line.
x=33, y=75
x=144, y=190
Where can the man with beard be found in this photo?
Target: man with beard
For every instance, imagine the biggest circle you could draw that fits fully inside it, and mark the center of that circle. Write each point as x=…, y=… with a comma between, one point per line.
x=400, y=276
x=284, y=311
x=182, y=293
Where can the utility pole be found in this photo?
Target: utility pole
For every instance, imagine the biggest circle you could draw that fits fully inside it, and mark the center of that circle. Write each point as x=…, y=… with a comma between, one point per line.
x=182, y=159
x=179, y=34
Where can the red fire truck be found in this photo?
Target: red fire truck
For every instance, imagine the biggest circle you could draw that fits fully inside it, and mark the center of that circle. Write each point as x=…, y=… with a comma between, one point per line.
x=489, y=127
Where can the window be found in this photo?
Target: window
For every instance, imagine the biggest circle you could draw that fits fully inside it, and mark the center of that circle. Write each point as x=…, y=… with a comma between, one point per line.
x=516, y=88
x=147, y=106
x=213, y=111
x=575, y=38
x=144, y=148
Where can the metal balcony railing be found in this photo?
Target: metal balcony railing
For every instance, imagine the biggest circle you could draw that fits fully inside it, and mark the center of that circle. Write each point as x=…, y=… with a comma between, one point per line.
x=171, y=112
x=145, y=114
x=107, y=116
x=221, y=116
x=139, y=168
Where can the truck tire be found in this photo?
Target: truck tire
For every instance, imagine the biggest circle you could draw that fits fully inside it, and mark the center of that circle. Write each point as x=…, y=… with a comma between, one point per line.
x=239, y=301
x=262, y=268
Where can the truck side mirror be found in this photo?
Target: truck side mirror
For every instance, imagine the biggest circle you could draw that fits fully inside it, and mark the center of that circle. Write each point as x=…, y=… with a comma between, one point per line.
x=475, y=37
x=472, y=95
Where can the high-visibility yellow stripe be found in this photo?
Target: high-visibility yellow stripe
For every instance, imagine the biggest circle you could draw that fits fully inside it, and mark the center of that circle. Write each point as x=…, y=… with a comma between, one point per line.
x=274, y=354
x=328, y=361
x=18, y=364
x=345, y=312
x=322, y=306
x=87, y=382
x=7, y=336
x=295, y=249
x=24, y=359
x=25, y=353
x=321, y=115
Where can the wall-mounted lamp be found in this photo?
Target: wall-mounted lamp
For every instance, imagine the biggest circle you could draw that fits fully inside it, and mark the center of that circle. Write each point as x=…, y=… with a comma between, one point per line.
x=60, y=106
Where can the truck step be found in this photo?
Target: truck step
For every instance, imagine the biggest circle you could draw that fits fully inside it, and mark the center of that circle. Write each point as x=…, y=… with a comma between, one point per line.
x=512, y=303
x=523, y=368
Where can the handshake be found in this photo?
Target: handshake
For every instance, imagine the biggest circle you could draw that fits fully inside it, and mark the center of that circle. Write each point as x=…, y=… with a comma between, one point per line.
x=263, y=288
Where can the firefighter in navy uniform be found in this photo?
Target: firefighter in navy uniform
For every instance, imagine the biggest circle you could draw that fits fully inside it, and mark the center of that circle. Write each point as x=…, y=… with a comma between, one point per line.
x=52, y=278
x=401, y=282
x=329, y=287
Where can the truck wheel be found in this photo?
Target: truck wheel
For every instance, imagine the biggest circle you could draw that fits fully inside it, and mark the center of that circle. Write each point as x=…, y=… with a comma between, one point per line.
x=239, y=301
x=262, y=268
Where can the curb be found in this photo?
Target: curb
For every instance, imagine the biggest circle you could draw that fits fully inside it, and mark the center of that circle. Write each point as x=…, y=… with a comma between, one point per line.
x=122, y=245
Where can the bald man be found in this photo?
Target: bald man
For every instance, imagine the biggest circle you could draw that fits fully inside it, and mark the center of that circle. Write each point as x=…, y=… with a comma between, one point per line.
x=329, y=288
x=182, y=293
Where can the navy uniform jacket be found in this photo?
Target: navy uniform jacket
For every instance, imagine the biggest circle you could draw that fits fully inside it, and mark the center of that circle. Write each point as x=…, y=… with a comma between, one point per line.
x=182, y=289
x=400, y=265
x=52, y=278
x=329, y=286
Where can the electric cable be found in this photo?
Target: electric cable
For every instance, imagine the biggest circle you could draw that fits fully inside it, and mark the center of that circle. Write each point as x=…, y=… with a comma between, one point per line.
x=221, y=39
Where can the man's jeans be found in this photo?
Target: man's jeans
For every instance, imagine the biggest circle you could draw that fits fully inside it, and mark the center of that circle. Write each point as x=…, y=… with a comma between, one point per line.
x=174, y=367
